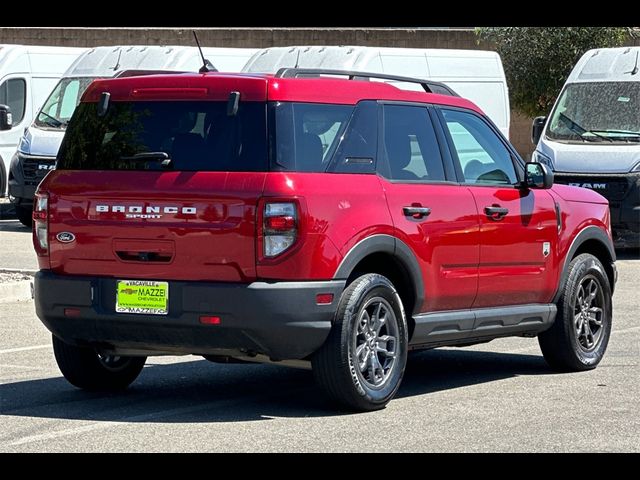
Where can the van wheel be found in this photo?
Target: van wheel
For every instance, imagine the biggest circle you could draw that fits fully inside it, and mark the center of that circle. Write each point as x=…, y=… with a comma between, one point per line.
x=579, y=336
x=361, y=364
x=24, y=215
x=87, y=369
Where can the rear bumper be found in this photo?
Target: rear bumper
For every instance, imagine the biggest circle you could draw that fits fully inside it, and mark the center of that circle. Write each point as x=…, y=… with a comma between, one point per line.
x=281, y=320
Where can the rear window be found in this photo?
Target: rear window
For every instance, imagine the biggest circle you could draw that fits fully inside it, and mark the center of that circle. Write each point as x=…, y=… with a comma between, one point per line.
x=194, y=135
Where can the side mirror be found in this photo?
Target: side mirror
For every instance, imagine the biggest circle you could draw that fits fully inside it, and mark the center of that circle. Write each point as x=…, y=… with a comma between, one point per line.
x=536, y=129
x=537, y=175
x=6, y=119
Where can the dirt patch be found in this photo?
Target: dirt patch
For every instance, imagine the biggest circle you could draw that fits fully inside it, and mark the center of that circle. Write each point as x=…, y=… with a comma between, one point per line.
x=6, y=277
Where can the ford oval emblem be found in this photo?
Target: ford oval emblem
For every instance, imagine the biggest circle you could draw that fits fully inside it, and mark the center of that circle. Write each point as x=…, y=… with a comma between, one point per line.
x=65, y=237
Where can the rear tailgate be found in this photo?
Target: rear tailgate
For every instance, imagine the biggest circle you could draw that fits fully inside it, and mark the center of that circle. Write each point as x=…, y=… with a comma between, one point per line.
x=154, y=225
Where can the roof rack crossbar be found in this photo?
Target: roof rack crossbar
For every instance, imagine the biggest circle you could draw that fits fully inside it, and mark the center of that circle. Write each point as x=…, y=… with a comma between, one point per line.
x=429, y=86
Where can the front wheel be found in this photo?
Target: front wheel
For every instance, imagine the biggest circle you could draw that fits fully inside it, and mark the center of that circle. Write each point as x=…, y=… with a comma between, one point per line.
x=579, y=336
x=85, y=368
x=362, y=362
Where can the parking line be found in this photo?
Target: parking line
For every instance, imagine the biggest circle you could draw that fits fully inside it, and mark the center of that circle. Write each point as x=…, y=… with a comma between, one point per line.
x=25, y=349
x=148, y=417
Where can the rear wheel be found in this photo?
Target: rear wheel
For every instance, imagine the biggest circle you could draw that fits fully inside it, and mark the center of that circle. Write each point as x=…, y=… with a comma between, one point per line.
x=578, y=338
x=24, y=215
x=85, y=368
x=362, y=362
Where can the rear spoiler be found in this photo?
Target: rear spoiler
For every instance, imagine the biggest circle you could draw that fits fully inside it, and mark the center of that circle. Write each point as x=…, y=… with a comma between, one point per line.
x=140, y=73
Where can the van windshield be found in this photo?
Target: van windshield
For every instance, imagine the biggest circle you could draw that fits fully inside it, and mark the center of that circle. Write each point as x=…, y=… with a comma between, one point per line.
x=62, y=102
x=173, y=135
x=606, y=112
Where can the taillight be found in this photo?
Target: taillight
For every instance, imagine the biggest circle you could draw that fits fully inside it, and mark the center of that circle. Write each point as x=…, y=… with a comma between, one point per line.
x=280, y=222
x=41, y=220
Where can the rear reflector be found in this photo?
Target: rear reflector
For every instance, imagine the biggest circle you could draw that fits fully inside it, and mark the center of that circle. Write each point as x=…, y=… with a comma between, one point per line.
x=72, y=312
x=207, y=320
x=324, y=298
x=280, y=223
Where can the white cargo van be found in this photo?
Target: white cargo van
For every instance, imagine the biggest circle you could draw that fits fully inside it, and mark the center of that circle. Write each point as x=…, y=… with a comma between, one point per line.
x=27, y=75
x=592, y=139
x=474, y=74
x=39, y=145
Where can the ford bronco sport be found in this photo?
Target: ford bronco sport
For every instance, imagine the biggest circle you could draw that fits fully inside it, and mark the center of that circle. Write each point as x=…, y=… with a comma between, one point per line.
x=298, y=216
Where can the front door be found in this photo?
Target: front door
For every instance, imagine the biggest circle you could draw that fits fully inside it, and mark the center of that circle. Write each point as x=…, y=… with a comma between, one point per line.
x=13, y=93
x=518, y=228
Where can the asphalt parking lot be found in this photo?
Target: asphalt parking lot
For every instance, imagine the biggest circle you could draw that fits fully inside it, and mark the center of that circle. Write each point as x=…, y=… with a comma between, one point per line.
x=498, y=396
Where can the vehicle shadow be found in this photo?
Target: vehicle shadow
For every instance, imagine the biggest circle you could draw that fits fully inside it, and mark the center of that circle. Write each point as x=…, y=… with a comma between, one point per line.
x=13, y=226
x=202, y=392
x=628, y=254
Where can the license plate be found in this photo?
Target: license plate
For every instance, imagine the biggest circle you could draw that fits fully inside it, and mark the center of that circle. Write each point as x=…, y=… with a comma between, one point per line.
x=142, y=296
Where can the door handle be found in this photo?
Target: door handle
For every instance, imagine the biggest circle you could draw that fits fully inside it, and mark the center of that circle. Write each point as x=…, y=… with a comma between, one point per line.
x=416, y=211
x=496, y=212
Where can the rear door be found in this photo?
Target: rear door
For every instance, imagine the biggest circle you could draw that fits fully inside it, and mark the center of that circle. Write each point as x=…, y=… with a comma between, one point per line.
x=437, y=218
x=518, y=228
x=159, y=189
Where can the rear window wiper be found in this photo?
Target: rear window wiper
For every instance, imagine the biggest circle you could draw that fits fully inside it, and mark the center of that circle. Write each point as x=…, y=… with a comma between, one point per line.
x=581, y=131
x=163, y=157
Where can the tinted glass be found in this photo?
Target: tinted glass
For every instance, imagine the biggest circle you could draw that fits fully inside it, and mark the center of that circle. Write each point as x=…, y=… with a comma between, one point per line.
x=483, y=157
x=13, y=93
x=410, y=144
x=307, y=134
x=358, y=147
x=196, y=136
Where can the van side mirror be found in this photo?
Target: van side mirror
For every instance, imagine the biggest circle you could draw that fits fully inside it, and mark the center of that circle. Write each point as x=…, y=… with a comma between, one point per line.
x=6, y=119
x=538, y=175
x=536, y=129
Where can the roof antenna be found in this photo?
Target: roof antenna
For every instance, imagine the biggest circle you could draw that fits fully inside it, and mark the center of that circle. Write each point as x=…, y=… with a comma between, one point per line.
x=635, y=67
x=117, y=65
x=207, y=66
x=297, y=59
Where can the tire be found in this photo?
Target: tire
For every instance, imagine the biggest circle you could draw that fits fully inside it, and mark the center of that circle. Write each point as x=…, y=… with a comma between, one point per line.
x=361, y=384
x=578, y=338
x=24, y=215
x=84, y=368
x=3, y=179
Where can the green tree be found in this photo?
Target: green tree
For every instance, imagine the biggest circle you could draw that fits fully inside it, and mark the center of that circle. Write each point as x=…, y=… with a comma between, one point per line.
x=538, y=60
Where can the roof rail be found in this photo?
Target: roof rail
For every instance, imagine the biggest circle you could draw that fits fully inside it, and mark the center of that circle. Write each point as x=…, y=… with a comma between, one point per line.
x=428, y=85
x=139, y=73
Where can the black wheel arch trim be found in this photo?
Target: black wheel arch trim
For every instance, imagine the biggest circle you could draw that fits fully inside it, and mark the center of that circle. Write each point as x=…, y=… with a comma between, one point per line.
x=382, y=243
x=589, y=233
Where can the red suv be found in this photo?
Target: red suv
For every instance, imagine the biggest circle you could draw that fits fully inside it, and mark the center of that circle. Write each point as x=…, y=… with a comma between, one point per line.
x=304, y=217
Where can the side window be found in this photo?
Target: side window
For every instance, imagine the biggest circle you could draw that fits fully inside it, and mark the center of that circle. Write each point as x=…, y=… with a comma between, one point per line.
x=13, y=93
x=307, y=134
x=358, y=147
x=69, y=100
x=483, y=157
x=410, y=144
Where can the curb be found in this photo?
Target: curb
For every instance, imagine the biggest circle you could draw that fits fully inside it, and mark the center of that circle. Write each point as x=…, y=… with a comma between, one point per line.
x=16, y=291
x=24, y=271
